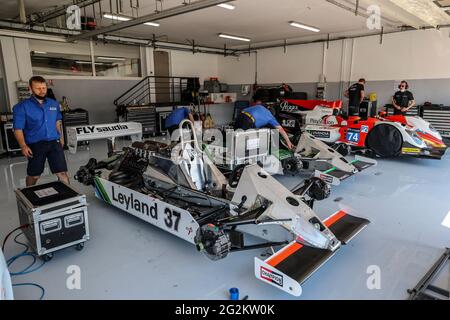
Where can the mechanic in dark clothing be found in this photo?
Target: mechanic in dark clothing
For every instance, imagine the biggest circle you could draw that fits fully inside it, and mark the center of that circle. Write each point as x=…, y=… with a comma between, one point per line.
x=355, y=95
x=174, y=119
x=257, y=117
x=403, y=100
x=37, y=123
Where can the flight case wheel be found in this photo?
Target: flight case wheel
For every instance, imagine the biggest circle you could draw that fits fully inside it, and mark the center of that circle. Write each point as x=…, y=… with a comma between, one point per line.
x=79, y=246
x=47, y=257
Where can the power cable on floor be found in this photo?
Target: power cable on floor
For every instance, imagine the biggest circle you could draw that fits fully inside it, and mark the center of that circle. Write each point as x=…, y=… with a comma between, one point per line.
x=27, y=270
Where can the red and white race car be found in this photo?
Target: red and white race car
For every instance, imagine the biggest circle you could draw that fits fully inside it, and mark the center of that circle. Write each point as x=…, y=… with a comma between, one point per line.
x=385, y=136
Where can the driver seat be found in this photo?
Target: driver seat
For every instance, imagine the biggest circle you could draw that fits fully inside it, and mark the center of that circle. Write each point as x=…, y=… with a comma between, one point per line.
x=200, y=172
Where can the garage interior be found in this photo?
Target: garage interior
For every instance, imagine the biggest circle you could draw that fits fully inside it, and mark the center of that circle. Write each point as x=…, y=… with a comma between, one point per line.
x=114, y=63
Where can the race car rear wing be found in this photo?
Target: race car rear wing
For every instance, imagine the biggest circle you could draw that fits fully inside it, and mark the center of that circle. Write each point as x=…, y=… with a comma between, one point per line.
x=334, y=176
x=103, y=131
x=292, y=265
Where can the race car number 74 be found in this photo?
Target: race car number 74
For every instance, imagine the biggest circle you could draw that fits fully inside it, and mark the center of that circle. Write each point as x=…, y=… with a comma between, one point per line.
x=353, y=136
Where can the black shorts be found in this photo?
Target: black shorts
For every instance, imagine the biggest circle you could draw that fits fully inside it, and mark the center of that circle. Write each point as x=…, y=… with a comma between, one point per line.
x=43, y=150
x=244, y=122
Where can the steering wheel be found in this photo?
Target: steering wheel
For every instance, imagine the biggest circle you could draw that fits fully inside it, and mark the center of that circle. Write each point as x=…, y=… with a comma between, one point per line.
x=235, y=175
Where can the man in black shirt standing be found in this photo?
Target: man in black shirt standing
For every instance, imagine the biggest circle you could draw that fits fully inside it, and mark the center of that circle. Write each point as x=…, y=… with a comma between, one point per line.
x=403, y=100
x=355, y=95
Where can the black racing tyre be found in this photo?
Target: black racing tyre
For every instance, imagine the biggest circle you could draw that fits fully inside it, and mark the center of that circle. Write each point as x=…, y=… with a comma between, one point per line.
x=385, y=140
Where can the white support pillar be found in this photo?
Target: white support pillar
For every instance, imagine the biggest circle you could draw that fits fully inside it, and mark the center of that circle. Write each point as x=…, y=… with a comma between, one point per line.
x=147, y=63
x=15, y=53
x=22, y=13
x=91, y=48
x=350, y=76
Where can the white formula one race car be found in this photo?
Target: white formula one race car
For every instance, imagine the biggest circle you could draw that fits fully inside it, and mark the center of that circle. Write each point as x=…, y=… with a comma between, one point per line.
x=180, y=190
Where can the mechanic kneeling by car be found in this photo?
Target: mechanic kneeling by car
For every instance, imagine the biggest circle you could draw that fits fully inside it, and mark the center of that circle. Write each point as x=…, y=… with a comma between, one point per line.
x=257, y=117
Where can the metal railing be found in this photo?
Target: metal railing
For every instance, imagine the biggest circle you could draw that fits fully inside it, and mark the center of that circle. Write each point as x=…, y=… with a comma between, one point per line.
x=160, y=91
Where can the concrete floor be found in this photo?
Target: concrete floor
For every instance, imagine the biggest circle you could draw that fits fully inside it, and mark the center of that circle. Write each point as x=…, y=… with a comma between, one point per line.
x=406, y=200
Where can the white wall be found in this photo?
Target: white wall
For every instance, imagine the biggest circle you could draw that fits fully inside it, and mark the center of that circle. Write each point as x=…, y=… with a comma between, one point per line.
x=186, y=64
x=407, y=55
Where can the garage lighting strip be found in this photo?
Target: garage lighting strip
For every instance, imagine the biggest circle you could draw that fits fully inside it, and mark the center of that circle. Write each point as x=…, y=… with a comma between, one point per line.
x=226, y=6
x=125, y=18
x=111, y=58
x=229, y=36
x=303, y=26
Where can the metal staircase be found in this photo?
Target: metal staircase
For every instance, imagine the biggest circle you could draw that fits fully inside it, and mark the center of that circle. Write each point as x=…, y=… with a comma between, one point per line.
x=160, y=91
x=141, y=103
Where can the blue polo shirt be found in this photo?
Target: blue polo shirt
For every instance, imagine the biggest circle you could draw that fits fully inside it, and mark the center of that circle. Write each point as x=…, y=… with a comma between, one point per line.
x=263, y=117
x=38, y=121
x=176, y=117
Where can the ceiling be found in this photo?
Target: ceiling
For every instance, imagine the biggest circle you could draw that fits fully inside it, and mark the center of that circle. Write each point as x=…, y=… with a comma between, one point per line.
x=264, y=21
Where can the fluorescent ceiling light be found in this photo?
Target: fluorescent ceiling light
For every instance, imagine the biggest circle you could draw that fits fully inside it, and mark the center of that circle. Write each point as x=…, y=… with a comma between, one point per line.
x=226, y=6
x=222, y=35
x=153, y=24
x=87, y=62
x=116, y=17
x=39, y=52
x=111, y=58
x=303, y=26
x=125, y=18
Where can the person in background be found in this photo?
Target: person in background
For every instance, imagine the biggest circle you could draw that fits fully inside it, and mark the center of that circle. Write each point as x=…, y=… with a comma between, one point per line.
x=403, y=100
x=257, y=117
x=174, y=119
x=37, y=123
x=355, y=94
x=286, y=87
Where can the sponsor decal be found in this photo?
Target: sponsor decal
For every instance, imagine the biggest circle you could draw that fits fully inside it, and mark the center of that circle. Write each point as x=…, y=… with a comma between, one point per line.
x=411, y=150
x=364, y=129
x=130, y=202
x=288, y=123
x=133, y=204
x=100, y=129
x=315, y=121
x=326, y=178
x=331, y=121
x=353, y=136
x=286, y=107
x=52, y=109
x=320, y=134
x=271, y=276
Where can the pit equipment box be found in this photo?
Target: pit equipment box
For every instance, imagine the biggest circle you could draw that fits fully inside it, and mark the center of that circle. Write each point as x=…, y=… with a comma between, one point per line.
x=56, y=215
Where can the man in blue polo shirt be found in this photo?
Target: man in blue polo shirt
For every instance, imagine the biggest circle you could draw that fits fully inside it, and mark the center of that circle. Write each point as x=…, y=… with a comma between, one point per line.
x=37, y=125
x=257, y=117
x=174, y=119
